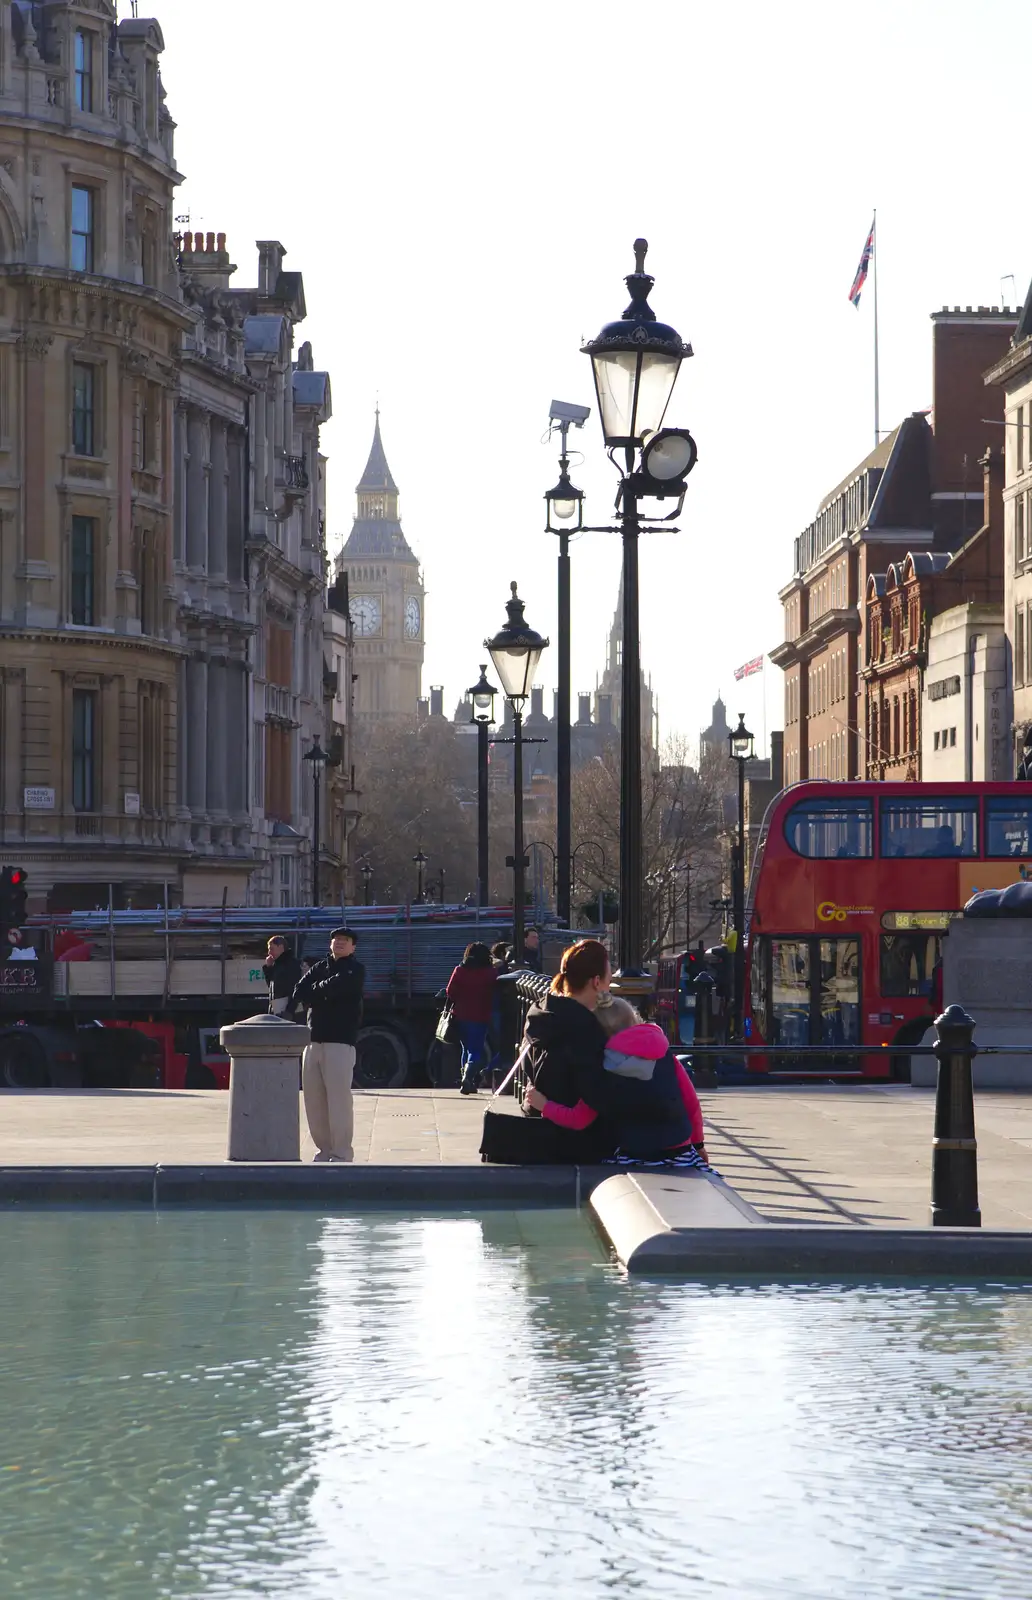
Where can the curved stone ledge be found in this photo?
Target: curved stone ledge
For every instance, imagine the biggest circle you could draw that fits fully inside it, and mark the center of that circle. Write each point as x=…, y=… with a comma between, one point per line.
x=688, y=1223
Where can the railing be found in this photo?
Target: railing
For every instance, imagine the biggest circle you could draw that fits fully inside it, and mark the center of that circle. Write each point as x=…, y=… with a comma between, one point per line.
x=294, y=474
x=46, y=827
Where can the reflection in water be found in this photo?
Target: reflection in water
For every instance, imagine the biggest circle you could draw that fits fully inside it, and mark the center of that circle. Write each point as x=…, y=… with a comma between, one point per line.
x=229, y=1405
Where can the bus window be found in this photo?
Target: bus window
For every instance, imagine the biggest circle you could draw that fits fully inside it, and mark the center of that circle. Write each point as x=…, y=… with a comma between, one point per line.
x=840, y=991
x=760, y=989
x=823, y=829
x=929, y=828
x=1008, y=827
x=790, y=991
x=907, y=961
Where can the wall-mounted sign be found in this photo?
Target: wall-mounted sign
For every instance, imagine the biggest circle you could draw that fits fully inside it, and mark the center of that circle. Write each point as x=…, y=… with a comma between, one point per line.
x=132, y=804
x=36, y=799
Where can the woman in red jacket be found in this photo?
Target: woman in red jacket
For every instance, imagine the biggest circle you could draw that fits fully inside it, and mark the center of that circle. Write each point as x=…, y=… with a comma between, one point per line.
x=471, y=994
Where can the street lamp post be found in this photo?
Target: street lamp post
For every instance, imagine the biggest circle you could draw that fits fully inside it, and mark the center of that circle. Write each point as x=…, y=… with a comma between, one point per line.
x=635, y=362
x=740, y=748
x=420, y=863
x=367, y=878
x=565, y=508
x=482, y=699
x=320, y=760
x=516, y=650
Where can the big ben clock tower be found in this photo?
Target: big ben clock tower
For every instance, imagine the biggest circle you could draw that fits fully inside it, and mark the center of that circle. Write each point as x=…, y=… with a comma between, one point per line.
x=386, y=594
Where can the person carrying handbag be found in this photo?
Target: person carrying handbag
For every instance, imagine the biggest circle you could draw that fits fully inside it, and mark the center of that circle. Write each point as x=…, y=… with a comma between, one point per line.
x=470, y=993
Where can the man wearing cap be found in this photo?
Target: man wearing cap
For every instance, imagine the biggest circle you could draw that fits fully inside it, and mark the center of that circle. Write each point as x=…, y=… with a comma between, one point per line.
x=331, y=991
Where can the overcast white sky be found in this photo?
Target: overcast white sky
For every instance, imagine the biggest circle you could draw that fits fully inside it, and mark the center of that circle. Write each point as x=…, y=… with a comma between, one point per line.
x=460, y=184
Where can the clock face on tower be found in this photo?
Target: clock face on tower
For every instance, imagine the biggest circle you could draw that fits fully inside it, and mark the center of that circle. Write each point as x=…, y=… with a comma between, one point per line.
x=412, y=617
x=367, y=615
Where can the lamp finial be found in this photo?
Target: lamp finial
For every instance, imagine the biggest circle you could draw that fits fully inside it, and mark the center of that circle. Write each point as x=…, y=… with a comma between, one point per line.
x=641, y=250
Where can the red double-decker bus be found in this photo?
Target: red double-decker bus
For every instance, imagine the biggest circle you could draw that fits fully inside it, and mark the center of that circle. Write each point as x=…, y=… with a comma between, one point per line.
x=852, y=888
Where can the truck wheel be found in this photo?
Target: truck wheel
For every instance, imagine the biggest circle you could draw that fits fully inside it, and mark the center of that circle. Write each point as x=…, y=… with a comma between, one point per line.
x=23, y=1064
x=382, y=1061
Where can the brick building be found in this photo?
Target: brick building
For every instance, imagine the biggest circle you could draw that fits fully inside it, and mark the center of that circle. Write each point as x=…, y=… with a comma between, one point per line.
x=914, y=493
x=901, y=609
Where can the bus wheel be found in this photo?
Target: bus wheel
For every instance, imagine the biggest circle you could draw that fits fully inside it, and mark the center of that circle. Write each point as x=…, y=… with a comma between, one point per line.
x=23, y=1064
x=382, y=1061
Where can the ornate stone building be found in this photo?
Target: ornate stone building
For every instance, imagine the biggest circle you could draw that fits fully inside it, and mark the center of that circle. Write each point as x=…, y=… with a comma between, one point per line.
x=387, y=598
x=90, y=325
x=162, y=502
x=250, y=576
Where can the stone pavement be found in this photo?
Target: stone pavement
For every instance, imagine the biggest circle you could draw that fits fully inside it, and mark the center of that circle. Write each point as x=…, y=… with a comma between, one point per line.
x=798, y=1153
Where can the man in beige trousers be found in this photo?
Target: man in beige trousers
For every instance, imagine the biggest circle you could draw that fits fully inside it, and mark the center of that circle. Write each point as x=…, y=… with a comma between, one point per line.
x=331, y=991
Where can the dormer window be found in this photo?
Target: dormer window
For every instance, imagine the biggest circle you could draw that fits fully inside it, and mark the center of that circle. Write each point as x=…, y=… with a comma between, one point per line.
x=84, y=70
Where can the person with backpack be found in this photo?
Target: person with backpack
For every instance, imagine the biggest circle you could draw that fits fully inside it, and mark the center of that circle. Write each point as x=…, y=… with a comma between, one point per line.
x=331, y=992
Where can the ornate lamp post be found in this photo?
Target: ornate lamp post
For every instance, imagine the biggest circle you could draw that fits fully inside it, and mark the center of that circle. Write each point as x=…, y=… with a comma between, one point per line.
x=482, y=699
x=516, y=650
x=635, y=363
x=367, y=878
x=565, y=515
x=320, y=759
x=740, y=749
x=420, y=861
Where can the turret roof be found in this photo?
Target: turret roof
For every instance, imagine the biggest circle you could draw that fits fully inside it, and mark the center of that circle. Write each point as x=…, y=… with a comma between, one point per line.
x=377, y=474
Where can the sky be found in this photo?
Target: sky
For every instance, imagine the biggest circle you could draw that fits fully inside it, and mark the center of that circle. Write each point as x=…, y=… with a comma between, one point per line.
x=461, y=185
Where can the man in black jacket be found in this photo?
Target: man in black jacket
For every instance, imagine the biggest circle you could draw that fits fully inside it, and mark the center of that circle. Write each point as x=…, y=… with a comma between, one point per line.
x=282, y=971
x=331, y=991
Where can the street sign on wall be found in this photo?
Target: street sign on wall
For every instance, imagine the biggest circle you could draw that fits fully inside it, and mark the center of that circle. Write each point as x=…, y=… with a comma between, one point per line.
x=37, y=799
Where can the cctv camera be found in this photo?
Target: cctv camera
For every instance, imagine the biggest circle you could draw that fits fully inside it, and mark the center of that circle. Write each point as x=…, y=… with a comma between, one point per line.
x=566, y=411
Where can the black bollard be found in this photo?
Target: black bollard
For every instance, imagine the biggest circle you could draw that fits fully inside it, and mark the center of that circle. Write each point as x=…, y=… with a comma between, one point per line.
x=704, y=1070
x=954, y=1147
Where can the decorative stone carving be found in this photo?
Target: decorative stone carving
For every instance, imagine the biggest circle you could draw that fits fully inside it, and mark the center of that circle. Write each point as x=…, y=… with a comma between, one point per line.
x=35, y=345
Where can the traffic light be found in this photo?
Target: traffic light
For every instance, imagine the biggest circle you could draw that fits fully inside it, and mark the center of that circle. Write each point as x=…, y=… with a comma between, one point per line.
x=13, y=898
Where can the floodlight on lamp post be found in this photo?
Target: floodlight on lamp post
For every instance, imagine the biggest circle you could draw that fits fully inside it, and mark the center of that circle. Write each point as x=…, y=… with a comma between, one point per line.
x=515, y=651
x=635, y=362
x=482, y=699
x=740, y=748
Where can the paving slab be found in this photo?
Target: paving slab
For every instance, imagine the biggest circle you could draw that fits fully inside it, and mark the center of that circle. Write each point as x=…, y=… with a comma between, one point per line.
x=802, y=1155
x=835, y=1154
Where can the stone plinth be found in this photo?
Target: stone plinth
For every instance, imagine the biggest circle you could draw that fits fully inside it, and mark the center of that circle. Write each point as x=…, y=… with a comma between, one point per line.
x=264, y=1119
x=987, y=969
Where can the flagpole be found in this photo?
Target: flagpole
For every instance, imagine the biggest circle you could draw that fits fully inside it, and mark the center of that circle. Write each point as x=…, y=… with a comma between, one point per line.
x=874, y=259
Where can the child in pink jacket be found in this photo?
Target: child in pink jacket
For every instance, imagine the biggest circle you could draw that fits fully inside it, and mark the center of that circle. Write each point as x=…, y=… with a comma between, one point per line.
x=643, y=1090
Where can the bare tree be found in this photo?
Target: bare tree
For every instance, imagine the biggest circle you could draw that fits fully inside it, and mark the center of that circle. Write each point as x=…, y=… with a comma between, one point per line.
x=681, y=832
x=418, y=785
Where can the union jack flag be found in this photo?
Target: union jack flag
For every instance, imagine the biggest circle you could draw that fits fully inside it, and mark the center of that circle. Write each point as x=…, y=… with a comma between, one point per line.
x=861, y=271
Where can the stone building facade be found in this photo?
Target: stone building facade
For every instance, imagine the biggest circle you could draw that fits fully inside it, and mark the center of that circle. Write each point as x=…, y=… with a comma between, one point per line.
x=162, y=501
x=250, y=575
x=90, y=327
x=1011, y=377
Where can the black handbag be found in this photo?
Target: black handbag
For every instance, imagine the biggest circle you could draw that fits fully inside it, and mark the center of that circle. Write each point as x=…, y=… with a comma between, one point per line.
x=447, y=1027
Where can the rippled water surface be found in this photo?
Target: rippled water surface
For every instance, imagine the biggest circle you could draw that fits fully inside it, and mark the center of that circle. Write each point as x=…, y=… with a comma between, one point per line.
x=242, y=1404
